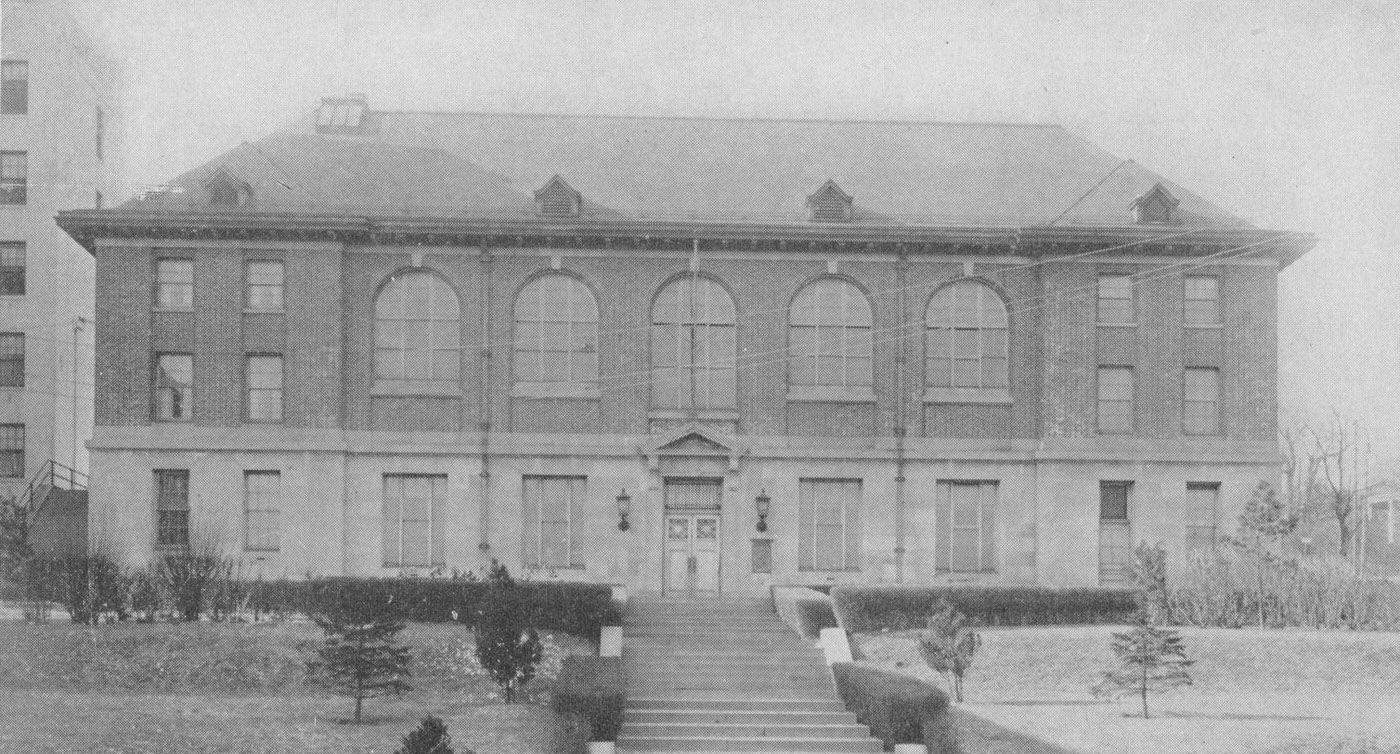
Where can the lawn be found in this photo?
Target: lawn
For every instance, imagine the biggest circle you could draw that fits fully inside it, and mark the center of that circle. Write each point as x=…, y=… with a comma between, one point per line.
x=1268, y=692
x=242, y=687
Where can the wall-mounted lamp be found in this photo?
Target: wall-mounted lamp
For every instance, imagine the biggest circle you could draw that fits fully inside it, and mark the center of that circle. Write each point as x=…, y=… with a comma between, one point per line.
x=762, y=501
x=624, y=506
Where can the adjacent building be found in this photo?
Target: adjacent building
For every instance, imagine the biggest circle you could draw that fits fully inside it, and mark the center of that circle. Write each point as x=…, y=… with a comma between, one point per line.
x=682, y=354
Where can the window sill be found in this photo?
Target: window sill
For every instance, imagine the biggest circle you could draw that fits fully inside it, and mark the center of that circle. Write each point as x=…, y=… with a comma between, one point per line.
x=414, y=389
x=828, y=570
x=711, y=414
x=830, y=394
x=1129, y=325
x=574, y=390
x=990, y=396
x=264, y=311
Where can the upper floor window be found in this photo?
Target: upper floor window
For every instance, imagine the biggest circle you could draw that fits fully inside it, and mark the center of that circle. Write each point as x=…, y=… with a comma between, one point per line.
x=265, y=388
x=1201, y=401
x=174, y=387
x=1202, y=301
x=12, y=359
x=12, y=268
x=174, y=283
x=1116, y=300
x=556, y=334
x=417, y=331
x=12, y=450
x=264, y=292
x=830, y=336
x=14, y=177
x=1116, y=400
x=967, y=343
x=14, y=87
x=693, y=345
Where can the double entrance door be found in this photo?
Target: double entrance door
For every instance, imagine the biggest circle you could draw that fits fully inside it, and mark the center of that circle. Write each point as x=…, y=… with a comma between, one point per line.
x=692, y=537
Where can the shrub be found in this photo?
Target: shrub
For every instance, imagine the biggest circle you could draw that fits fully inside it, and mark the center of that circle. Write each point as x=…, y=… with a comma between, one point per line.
x=899, y=708
x=360, y=658
x=948, y=646
x=866, y=609
x=804, y=610
x=594, y=688
x=430, y=738
x=192, y=578
x=507, y=646
x=88, y=586
x=145, y=594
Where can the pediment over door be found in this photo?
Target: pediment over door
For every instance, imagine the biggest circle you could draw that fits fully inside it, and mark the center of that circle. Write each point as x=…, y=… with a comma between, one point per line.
x=694, y=440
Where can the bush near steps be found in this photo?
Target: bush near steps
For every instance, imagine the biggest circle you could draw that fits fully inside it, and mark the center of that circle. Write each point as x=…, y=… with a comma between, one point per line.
x=871, y=609
x=898, y=708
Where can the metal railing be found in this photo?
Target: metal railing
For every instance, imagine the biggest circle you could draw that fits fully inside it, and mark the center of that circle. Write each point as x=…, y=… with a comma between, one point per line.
x=53, y=475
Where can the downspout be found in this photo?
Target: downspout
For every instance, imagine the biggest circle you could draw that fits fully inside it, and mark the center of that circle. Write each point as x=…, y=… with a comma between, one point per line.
x=79, y=326
x=901, y=269
x=694, y=326
x=484, y=400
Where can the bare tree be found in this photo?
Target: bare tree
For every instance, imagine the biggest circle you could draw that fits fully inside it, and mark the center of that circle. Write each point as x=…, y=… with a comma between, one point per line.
x=1341, y=482
x=1300, y=467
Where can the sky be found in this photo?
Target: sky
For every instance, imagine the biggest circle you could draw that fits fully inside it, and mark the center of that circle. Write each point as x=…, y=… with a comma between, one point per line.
x=1281, y=112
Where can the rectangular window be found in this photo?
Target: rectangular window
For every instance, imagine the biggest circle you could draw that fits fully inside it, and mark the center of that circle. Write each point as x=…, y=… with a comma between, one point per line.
x=414, y=510
x=264, y=286
x=262, y=509
x=762, y=556
x=174, y=387
x=828, y=522
x=14, y=87
x=12, y=450
x=1115, y=534
x=12, y=268
x=265, y=388
x=174, y=283
x=1201, y=401
x=1202, y=301
x=1116, y=400
x=14, y=177
x=12, y=359
x=555, y=509
x=966, y=527
x=172, y=508
x=1116, y=300
x=1201, y=499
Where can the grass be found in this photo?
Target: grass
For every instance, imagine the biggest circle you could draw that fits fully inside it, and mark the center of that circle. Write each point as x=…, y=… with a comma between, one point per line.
x=241, y=687
x=1268, y=692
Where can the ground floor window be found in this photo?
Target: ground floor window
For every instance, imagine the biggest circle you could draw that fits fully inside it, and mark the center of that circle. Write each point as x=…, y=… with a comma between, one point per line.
x=414, y=510
x=1201, y=499
x=1115, y=534
x=829, y=524
x=555, y=510
x=12, y=450
x=966, y=526
x=262, y=509
x=172, y=508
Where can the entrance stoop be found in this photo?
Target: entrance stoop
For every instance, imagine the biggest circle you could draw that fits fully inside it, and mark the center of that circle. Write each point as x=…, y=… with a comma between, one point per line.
x=725, y=674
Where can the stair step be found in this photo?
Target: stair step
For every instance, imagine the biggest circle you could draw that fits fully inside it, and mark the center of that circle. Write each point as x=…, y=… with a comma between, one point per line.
x=737, y=717
x=745, y=730
x=717, y=743
x=735, y=703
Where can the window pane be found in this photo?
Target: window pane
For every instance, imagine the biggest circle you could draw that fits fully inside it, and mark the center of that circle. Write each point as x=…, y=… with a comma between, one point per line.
x=1113, y=500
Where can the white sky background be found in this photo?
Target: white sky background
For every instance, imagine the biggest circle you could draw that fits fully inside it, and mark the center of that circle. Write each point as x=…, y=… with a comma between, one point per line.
x=1282, y=112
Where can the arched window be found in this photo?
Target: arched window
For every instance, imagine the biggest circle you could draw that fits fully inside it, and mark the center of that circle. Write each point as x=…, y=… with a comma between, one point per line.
x=556, y=333
x=693, y=345
x=830, y=336
x=966, y=337
x=417, y=332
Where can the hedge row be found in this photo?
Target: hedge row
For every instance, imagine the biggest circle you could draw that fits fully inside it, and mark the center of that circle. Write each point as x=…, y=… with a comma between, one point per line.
x=804, y=610
x=594, y=688
x=865, y=609
x=898, y=708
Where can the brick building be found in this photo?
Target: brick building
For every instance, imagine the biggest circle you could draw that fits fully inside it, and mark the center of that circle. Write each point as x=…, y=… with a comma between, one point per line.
x=679, y=354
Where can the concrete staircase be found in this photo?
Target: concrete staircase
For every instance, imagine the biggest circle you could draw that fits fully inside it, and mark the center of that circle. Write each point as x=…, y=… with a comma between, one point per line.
x=727, y=675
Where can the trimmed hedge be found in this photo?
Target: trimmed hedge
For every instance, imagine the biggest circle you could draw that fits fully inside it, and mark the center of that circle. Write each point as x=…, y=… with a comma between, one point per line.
x=898, y=708
x=866, y=609
x=596, y=689
x=804, y=610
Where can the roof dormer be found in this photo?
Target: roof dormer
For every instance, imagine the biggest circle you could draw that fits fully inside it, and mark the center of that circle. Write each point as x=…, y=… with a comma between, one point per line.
x=227, y=190
x=341, y=115
x=1157, y=207
x=829, y=204
x=558, y=199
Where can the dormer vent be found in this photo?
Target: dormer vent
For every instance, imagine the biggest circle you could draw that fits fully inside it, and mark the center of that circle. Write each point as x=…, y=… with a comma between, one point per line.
x=339, y=115
x=558, y=199
x=1156, y=207
x=225, y=190
x=829, y=204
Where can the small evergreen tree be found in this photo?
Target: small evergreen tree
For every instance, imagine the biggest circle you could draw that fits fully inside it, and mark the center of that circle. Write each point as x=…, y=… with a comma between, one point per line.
x=1150, y=580
x=949, y=645
x=360, y=658
x=507, y=646
x=1150, y=658
x=430, y=738
x=1264, y=522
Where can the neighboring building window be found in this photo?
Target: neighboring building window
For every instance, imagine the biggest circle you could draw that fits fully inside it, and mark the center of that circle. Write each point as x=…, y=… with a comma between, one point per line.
x=1202, y=301
x=555, y=510
x=1201, y=500
x=12, y=359
x=414, y=510
x=1201, y=404
x=14, y=177
x=12, y=268
x=100, y=131
x=172, y=508
x=12, y=450
x=693, y=346
x=830, y=336
x=828, y=519
x=417, y=336
x=174, y=283
x=174, y=387
x=14, y=87
x=966, y=527
x=1116, y=400
x=556, y=332
x=265, y=388
x=1116, y=300
x=262, y=509
x=264, y=292
x=1115, y=534
x=966, y=337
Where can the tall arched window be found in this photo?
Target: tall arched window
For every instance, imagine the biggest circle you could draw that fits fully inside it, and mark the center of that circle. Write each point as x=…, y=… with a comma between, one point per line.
x=417, y=332
x=556, y=334
x=966, y=337
x=830, y=336
x=693, y=345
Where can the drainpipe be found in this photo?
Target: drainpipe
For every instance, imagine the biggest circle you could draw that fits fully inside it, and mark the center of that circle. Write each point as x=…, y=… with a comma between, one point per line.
x=79, y=326
x=694, y=327
x=901, y=269
x=484, y=400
